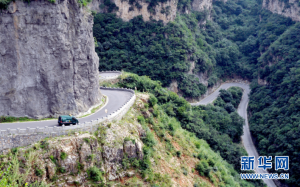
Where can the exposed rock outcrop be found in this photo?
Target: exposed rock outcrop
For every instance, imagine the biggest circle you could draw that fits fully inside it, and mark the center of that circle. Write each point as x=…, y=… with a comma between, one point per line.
x=127, y=14
x=289, y=9
x=163, y=11
x=174, y=86
x=48, y=64
x=200, y=5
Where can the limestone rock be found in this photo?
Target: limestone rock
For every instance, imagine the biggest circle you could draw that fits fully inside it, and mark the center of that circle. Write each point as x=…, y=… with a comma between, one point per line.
x=85, y=154
x=146, y=114
x=200, y=5
x=139, y=150
x=51, y=168
x=141, y=131
x=289, y=9
x=48, y=64
x=112, y=161
x=130, y=149
x=127, y=15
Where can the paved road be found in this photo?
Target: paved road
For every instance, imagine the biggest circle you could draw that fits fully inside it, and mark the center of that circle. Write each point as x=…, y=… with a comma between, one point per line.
x=242, y=111
x=115, y=100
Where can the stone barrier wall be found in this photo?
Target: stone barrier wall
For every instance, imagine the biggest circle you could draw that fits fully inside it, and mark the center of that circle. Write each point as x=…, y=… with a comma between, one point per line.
x=11, y=138
x=110, y=77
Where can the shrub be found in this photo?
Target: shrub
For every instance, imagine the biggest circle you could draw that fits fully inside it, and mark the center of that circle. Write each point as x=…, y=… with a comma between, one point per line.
x=229, y=107
x=87, y=140
x=52, y=159
x=126, y=139
x=226, y=95
x=145, y=163
x=184, y=171
x=203, y=168
x=38, y=172
x=44, y=145
x=63, y=155
x=178, y=153
x=95, y=174
x=125, y=162
x=149, y=139
x=79, y=166
x=152, y=100
x=135, y=163
x=62, y=169
x=141, y=120
x=14, y=150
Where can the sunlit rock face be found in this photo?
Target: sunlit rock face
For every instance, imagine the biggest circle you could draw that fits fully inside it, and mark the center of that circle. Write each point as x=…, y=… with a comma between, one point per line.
x=48, y=64
x=289, y=9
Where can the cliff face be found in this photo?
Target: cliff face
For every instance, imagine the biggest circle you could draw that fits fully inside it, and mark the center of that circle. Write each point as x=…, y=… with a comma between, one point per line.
x=48, y=64
x=127, y=15
x=169, y=9
x=200, y=5
x=290, y=9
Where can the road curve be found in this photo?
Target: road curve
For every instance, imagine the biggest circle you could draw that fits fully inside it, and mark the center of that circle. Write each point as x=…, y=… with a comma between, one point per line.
x=242, y=111
x=116, y=99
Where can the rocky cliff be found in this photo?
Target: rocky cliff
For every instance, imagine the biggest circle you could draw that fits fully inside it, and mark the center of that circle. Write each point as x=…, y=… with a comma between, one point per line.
x=127, y=14
x=200, y=5
x=289, y=9
x=163, y=11
x=48, y=64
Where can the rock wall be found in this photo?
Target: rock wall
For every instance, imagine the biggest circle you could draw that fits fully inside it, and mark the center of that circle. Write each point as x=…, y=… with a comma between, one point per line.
x=127, y=15
x=290, y=9
x=200, y=5
x=48, y=64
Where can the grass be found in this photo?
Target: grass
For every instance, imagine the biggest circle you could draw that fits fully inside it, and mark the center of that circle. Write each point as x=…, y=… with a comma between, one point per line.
x=10, y=119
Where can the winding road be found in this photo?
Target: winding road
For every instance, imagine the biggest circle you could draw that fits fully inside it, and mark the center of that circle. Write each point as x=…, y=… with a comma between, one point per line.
x=242, y=111
x=116, y=99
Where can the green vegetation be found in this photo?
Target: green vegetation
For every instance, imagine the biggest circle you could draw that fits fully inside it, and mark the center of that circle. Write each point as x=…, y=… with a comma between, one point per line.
x=229, y=99
x=10, y=174
x=4, y=4
x=10, y=119
x=63, y=155
x=275, y=108
x=95, y=174
x=221, y=129
x=83, y=2
x=241, y=39
x=150, y=48
x=87, y=140
x=268, y=46
x=38, y=172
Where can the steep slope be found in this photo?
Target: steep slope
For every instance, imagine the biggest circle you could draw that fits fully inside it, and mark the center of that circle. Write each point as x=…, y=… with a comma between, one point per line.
x=48, y=60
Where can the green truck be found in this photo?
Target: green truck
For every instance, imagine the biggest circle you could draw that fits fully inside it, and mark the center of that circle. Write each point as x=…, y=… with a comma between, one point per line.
x=67, y=120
